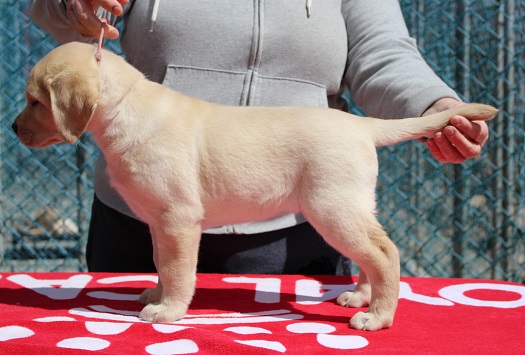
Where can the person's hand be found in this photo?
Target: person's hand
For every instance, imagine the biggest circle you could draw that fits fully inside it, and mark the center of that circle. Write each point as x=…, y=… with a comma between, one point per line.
x=460, y=140
x=82, y=15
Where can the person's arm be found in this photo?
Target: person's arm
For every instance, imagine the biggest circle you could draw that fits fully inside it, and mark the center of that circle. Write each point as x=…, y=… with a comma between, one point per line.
x=388, y=78
x=386, y=74
x=74, y=20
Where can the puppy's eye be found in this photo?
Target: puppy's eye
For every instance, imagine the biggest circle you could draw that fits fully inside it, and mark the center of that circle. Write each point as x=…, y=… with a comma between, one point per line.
x=34, y=103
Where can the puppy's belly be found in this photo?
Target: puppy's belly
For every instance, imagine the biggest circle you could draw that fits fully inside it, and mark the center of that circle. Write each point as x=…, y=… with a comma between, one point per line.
x=236, y=211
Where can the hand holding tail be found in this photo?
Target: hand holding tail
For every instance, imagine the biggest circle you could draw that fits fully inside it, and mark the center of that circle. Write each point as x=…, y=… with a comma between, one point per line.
x=459, y=141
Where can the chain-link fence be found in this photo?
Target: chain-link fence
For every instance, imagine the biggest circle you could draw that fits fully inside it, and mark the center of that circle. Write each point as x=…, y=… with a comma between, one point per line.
x=463, y=220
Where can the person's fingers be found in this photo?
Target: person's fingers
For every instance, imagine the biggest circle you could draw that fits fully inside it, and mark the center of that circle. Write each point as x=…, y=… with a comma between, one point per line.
x=81, y=14
x=434, y=150
x=464, y=146
x=443, y=150
x=476, y=131
x=113, y=6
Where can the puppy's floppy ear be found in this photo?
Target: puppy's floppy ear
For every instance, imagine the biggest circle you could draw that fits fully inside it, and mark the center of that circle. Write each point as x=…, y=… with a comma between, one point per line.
x=73, y=99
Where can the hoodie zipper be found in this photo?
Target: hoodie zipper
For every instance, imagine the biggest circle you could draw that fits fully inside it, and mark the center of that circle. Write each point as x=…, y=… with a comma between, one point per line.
x=248, y=95
x=250, y=83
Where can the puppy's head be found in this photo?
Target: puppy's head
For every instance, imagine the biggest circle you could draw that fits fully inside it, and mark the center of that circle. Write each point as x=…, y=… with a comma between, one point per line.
x=62, y=93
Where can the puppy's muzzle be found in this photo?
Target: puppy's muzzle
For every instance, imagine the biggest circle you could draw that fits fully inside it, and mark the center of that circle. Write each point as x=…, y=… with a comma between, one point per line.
x=14, y=127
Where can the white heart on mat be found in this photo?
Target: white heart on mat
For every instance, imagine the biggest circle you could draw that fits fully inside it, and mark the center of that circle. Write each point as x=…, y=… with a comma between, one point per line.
x=107, y=328
x=310, y=328
x=167, y=328
x=264, y=344
x=15, y=332
x=54, y=319
x=182, y=346
x=344, y=342
x=84, y=343
x=247, y=330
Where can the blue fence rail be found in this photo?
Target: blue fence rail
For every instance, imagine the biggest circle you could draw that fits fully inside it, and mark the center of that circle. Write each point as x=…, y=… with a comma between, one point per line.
x=463, y=220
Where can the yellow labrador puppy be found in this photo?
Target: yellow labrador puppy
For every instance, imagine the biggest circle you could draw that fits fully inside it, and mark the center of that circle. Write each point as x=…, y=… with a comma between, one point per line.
x=184, y=165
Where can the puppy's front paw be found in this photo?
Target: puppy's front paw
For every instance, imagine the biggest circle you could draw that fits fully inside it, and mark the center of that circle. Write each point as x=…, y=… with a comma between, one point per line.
x=150, y=295
x=370, y=321
x=161, y=313
x=355, y=299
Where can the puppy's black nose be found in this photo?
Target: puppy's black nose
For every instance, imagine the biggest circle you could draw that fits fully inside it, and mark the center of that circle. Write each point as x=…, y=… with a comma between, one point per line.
x=15, y=127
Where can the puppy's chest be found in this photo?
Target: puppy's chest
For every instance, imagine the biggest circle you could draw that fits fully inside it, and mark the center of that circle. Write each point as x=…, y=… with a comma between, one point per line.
x=144, y=169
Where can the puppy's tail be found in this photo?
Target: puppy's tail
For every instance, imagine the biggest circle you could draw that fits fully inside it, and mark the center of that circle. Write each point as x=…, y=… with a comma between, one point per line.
x=387, y=132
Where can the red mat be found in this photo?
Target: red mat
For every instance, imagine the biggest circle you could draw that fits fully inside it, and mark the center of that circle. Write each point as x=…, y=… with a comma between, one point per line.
x=64, y=313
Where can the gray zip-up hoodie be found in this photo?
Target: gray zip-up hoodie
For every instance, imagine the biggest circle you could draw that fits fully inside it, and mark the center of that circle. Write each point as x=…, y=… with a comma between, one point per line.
x=272, y=53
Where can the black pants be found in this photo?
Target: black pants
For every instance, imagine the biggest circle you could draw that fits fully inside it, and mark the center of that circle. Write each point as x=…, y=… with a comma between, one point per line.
x=118, y=243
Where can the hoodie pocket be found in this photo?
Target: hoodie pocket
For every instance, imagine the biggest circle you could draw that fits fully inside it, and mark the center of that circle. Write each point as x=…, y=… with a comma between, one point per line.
x=212, y=85
x=274, y=91
x=243, y=88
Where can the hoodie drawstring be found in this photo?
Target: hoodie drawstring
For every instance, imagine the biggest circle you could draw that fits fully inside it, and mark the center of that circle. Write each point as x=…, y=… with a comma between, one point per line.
x=308, y=8
x=154, y=14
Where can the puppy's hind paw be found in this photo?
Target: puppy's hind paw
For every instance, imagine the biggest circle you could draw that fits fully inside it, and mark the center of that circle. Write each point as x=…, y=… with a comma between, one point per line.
x=150, y=295
x=370, y=321
x=160, y=313
x=354, y=299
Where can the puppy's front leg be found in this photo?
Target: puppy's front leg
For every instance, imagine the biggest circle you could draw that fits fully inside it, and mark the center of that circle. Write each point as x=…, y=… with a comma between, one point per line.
x=176, y=254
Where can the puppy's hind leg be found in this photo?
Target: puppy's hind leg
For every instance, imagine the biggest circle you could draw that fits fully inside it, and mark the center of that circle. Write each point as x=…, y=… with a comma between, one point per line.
x=152, y=295
x=379, y=260
x=360, y=297
x=356, y=234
